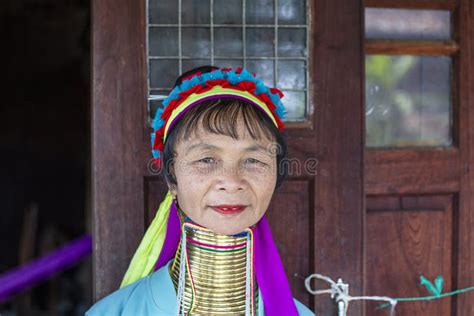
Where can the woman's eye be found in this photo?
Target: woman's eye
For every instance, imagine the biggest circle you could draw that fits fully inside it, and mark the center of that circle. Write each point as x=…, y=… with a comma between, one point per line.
x=207, y=160
x=254, y=161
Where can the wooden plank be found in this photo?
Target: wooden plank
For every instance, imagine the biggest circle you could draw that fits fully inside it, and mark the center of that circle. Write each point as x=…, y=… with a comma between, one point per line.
x=412, y=170
x=396, y=47
x=465, y=219
x=403, y=244
x=339, y=112
x=118, y=87
x=413, y=4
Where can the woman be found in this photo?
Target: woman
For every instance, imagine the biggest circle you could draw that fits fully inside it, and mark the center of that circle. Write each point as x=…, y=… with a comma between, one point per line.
x=218, y=142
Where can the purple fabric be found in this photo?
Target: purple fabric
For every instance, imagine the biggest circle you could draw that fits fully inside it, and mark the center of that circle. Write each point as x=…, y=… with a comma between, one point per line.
x=271, y=277
x=32, y=273
x=272, y=281
x=173, y=233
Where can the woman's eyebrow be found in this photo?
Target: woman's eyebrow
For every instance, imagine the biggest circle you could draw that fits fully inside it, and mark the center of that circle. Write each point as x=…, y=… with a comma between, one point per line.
x=257, y=147
x=201, y=146
x=204, y=146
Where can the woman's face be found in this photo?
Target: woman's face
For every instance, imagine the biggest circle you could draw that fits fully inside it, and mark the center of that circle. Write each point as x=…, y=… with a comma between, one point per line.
x=216, y=172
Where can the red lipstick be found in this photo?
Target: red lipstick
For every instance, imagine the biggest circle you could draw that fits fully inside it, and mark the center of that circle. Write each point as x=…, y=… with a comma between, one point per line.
x=229, y=209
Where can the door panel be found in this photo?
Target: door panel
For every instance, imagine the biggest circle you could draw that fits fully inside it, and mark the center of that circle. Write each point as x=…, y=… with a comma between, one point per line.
x=409, y=236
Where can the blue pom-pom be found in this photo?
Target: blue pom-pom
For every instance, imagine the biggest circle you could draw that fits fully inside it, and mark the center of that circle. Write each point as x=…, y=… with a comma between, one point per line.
x=260, y=87
x=218, y=74
x=185, y=85
x=232, y=77
x=206, y=76
x=195, y=80
x=275, y=98
x=281, y=111
x=245, y=75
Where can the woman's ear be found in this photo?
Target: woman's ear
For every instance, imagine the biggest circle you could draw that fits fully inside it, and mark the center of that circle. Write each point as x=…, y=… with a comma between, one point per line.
x=172, y=183
x=172, y=189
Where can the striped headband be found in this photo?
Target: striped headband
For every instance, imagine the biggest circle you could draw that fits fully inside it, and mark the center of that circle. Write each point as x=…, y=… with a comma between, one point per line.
x=237, y=84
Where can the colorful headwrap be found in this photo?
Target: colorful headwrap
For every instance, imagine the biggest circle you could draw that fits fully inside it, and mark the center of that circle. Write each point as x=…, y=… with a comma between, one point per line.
x=220, y=83
x=161, y=239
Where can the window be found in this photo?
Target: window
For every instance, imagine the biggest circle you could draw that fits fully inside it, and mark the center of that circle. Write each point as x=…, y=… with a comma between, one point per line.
x=408, y=70
x=268, y=37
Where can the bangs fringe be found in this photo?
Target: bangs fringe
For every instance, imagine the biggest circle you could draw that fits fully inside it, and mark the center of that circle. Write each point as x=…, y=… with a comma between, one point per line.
x=220, y=116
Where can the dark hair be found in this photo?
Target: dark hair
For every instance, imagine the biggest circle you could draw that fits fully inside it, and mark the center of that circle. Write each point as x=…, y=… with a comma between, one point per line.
x=218, y=116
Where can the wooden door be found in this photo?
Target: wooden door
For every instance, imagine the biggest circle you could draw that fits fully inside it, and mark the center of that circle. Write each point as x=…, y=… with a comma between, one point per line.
x=316, y=216
x=418, y=218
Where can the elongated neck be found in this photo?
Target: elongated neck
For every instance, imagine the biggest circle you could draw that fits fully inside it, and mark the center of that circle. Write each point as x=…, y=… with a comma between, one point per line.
x=217, y=272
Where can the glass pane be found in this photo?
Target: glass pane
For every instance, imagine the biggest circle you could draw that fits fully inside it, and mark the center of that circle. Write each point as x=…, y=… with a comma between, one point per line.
x=163, y=72
x=189, y=64
x=407, y=24
x=163, y=12
x=196, y=42
x=228, y=12
x=259, y=42
x=259, y=12
x=194, y=12
x=292, y=42
x=292, y=12
x=264, y=69
x=408, y=101
x=291, y=74
x=229, y=63
x=228, y=41
x=295, y=103
x=163, y=41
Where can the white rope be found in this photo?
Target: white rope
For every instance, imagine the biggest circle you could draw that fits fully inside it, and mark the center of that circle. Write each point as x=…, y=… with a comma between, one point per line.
x=340, y=293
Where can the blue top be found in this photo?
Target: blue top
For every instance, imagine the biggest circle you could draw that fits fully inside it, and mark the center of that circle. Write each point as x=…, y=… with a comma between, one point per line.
x=154, y=295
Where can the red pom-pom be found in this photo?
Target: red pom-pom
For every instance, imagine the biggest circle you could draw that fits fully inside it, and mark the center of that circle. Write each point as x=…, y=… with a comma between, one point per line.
x=160, y=132
x=279, y=122
x=206, y=88
x=247, y=86
x=157, y=144
x=277, y=91
x=238, y=70
x=157, y=163
x=226, y=69
x=194, y=89
x=169, y=108
x=266, y=99
x=217, y=82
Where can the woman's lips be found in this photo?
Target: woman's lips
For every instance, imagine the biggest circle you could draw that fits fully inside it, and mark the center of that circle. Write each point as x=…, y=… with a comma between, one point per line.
x=229, y=209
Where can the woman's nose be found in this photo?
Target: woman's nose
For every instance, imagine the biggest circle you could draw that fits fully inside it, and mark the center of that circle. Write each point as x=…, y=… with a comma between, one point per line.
x=231, y=179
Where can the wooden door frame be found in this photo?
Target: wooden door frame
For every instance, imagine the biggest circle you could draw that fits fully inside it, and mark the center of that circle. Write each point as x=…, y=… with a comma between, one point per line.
x=118, y=93
x=338, y=78
x=119, y=88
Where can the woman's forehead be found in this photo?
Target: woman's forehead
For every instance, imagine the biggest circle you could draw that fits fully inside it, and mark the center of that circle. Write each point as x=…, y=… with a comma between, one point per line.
x=219, y=142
